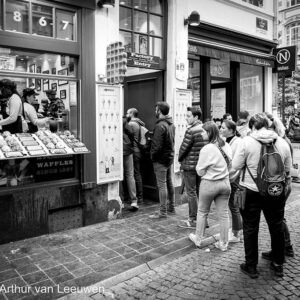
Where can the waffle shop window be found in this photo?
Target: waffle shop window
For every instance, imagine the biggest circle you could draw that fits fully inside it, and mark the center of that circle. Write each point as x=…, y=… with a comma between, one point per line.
x=48, y=87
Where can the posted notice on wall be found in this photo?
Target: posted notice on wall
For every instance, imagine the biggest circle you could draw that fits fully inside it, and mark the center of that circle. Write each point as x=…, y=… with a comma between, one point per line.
x=296, y=160
x=182, y=100
x=109, y=133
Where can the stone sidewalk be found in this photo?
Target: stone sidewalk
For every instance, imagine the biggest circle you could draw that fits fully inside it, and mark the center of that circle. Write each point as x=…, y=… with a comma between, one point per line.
x=50, y=266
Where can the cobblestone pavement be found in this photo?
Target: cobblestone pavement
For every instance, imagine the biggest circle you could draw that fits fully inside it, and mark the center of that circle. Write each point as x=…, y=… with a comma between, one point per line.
x=216, y=275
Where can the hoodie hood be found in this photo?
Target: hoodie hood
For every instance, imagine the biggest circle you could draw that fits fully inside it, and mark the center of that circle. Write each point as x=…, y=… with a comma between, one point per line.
x=137, y=120
x=167, y=119
x=264, y=135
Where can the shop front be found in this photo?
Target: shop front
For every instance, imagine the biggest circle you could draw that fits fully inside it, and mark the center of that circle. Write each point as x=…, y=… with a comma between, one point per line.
x=228, y=71
x=43, y=174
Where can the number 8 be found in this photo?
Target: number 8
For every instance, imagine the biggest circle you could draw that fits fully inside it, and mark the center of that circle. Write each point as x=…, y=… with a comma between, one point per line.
x=17, y=16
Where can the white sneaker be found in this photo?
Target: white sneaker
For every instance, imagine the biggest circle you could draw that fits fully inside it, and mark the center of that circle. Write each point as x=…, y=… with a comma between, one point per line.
x=234, y=239
x=193, y=238
x=221, y=245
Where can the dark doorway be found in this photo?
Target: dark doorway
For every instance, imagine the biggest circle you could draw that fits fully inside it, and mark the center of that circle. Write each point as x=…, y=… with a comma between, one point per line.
x=142, y=92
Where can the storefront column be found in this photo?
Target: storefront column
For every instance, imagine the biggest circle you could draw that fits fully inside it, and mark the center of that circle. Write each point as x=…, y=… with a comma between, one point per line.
x=268, y=90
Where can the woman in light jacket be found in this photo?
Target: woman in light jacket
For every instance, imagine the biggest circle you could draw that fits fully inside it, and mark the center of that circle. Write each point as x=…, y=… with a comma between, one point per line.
x=228, y=130
x=213, y=168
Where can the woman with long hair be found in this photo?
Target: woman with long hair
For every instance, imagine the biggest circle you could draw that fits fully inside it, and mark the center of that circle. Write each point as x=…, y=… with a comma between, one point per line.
x=12, y=115
x=213, y=168
x=229, y=132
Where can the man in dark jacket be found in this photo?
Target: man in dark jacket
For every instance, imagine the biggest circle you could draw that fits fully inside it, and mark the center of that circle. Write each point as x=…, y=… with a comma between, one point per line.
x=194, y=139
x=128, y=164
x=162, y=156
x=135, y=123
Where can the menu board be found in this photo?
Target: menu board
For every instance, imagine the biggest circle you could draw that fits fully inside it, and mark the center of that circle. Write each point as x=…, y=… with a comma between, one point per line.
x=183, y=99
x=42, y=143
x=109, y=110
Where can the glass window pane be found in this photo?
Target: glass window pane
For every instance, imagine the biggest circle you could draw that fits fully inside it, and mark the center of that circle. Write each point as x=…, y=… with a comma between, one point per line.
x=42, y=20
x=125, y=2
x=125, y=18
x=1, y=14
x=155, y=6
x=155, y=47
x=17, y=16
x=194, y=80
x=140, y=22
x=141, y=44
x=140, y=4
x=155, y=25
x=251, y=86
x=125, y=38
x=65, y=24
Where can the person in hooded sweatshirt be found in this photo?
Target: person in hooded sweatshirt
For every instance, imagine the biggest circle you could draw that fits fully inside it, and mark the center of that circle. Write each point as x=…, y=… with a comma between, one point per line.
x=135, y=123
x=243, y=123
x=248, y=153
x=162, y=156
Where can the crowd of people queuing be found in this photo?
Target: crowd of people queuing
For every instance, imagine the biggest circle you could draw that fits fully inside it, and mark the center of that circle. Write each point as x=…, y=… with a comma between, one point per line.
x=218, y=160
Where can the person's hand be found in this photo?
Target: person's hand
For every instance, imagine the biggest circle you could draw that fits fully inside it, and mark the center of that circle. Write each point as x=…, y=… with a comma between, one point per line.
x=39, y=115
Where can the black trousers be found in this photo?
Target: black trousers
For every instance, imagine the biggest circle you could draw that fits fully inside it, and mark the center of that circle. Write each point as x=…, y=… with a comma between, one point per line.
x=273, y=209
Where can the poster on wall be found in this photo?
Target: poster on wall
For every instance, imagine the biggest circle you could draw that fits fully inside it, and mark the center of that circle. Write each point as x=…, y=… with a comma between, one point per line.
x=296, y=160
x=109, y=110
x=183, y=99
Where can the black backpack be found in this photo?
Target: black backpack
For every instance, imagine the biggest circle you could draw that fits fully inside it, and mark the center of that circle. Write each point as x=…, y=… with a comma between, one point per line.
x=270, y=179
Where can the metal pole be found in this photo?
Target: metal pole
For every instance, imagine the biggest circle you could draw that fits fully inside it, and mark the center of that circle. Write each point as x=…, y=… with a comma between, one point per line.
x=283, y=99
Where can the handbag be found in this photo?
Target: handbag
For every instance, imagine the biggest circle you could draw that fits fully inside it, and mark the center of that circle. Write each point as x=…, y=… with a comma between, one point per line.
x=239, y=198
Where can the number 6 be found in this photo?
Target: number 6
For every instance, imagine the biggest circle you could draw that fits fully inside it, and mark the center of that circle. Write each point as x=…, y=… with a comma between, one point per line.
x=42, y=21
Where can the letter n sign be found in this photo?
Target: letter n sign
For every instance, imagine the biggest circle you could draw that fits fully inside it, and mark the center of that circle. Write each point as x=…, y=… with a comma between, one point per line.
x=285, y=60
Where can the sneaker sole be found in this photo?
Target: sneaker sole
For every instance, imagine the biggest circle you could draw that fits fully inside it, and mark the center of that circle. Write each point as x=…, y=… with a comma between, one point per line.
x=185, y=226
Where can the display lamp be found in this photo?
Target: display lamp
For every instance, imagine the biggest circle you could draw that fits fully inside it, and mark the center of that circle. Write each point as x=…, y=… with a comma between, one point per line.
x=193, y=19
x=106, y=3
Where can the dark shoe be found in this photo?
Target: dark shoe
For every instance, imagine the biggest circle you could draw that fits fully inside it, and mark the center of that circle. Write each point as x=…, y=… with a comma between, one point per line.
x=157, y=216
x=249, y=270
x=267, y=255
x=289, y=251
x=278, y=269
x=172, y=212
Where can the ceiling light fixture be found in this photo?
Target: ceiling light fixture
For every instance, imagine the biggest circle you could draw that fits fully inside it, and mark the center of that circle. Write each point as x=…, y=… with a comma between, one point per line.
x=193, y=19
x=106, y=3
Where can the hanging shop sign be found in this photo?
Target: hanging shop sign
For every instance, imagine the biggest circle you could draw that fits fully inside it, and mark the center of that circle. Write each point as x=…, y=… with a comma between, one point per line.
x=183, y=99
x=285, y=60
x=143, y=61
x=109, y=110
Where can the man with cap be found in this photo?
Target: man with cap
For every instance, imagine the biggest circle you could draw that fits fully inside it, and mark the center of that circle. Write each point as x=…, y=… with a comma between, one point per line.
x=56, y=105
x=30, y=115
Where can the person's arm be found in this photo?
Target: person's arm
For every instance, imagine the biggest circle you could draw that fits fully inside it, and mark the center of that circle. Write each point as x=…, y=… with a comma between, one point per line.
x=204, y=160
x=14, y=108
x=186, y=145
x=239, y=158
x=31, y=115
x=157, y=142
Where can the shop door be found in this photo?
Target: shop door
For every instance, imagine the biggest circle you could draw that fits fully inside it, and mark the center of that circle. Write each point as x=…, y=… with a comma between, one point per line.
x=221, y=100
x=142, y=92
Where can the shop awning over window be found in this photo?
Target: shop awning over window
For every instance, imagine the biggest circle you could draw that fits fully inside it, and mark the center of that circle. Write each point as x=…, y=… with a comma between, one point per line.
x=251, y=58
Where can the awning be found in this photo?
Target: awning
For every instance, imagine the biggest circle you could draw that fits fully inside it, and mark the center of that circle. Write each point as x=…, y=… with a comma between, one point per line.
x=91, y=4
x=237, y=54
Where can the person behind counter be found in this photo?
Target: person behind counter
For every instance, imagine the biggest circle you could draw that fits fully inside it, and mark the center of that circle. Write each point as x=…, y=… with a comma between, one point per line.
x=55, y=106
x=12, y=114
x=30, y=115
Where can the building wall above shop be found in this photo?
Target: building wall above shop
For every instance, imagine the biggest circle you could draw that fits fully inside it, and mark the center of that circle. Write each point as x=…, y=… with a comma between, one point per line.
x=235, y=15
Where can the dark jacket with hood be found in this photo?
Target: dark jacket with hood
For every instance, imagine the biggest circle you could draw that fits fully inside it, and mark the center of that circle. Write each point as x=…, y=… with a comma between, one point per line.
x=162, y=144
x=135, y=124
x=194, y=140
x=127, y=138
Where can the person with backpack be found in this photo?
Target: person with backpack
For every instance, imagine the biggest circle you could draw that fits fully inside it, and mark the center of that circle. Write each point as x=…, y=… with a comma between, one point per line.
x=138, y=130
x=128, y=138
x=162, y=156
x=194, y=140
x=264, y=159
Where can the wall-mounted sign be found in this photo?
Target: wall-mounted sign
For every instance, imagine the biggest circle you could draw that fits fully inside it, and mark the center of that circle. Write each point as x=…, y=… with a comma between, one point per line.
x=181, y=69
x=261, y=25
x=143, y=61
x=7, y=63
x=285, y=60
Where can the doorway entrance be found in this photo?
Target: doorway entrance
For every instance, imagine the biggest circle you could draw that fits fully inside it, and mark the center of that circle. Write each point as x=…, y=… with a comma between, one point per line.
x=142, y=92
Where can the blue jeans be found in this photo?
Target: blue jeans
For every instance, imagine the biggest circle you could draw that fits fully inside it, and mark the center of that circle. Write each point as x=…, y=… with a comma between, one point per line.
x=192, y=183
x=237, y=223
x=165, y=188
x=138, y=175
x=129, y=176
x=218, y=191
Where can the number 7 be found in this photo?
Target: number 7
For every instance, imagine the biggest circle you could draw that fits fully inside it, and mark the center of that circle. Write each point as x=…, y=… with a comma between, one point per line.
x=66, y=23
